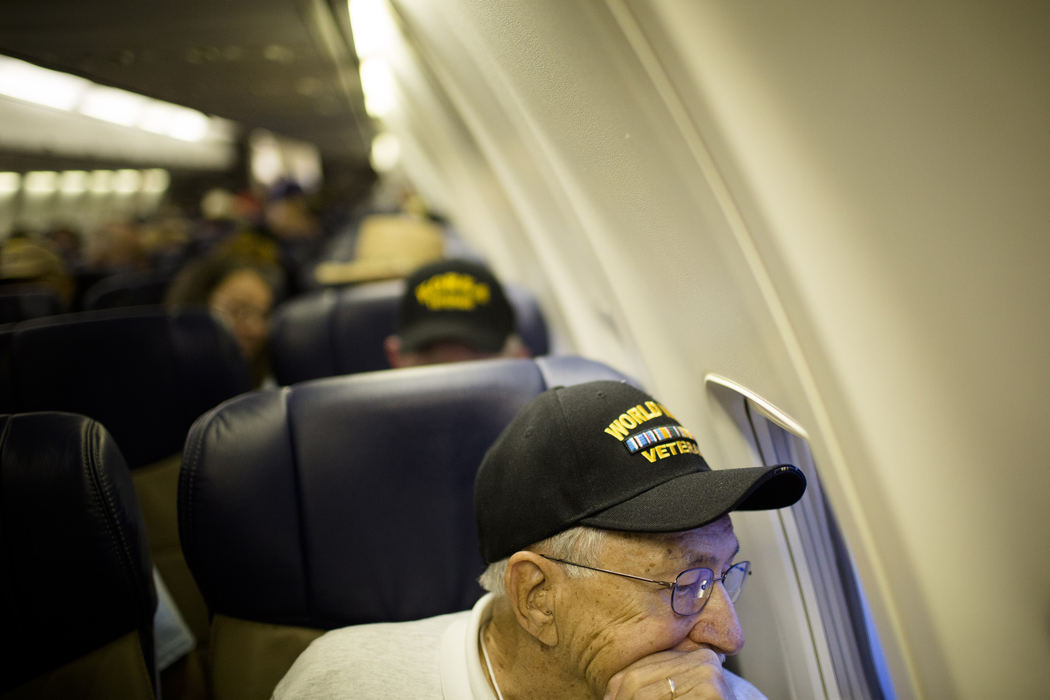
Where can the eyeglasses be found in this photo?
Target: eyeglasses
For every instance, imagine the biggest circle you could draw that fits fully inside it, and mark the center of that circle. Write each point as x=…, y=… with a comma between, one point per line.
x=242, y=313
x=692, y=588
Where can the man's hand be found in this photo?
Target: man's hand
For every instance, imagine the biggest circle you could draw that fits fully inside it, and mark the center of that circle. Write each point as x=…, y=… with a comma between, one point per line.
x=694, y=675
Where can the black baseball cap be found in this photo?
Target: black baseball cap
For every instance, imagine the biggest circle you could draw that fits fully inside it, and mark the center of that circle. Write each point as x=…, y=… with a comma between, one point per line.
x=607, y=455
x=455, y=299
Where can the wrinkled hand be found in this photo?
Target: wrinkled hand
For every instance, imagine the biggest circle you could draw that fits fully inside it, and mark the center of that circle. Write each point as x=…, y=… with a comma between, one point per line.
x=696, y=674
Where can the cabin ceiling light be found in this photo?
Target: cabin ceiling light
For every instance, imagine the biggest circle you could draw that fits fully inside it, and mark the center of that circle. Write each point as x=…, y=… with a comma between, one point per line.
x=101, y=181
x=172, y=120
x=10, y=183
x=74, y=182
x=155, y=180
x=372, y=27
x=386, y=152
x=377, y=82
x=112, y=105
x=41, y=182
x=50, y=88
x=127, y=181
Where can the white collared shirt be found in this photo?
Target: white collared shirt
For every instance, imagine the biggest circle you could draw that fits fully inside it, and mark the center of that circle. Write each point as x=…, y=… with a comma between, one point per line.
x=434, y=658
x=462, y=675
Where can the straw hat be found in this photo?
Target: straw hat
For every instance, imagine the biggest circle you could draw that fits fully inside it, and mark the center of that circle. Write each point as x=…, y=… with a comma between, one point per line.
x=387, y=247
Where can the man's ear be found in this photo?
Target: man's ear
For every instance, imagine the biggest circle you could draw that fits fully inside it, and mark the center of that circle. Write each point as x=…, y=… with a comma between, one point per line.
x=530, y=591
x=515, y=347
x=392, y=348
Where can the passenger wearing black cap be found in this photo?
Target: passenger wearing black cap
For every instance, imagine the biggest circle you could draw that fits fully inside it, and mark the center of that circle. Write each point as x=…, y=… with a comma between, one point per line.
x=453, y=310
x=612, y=568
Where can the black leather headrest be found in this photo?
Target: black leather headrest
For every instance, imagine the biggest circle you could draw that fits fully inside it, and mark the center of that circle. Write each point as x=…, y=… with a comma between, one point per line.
x=7, y=388
x=127, y=289
x=75, y=570
x=341, y=330
x=349, y=499
x=20, y=305
x=143, y=373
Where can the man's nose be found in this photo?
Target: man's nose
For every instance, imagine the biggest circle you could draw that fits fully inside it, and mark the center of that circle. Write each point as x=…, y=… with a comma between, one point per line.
x=717, y=626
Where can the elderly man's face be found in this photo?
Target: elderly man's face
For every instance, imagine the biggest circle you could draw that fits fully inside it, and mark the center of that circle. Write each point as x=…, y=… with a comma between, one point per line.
x=443, y=352
x=616, y=621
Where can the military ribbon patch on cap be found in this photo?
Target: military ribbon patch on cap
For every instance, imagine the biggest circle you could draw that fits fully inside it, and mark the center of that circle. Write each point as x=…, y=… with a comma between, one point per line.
x=653, y=436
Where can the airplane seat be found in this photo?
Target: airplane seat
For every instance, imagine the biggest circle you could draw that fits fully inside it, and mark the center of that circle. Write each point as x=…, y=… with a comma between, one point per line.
x=127, y=289
x=146, y=375
x=75, y=573
x=531, y=323
x=343, y=500
x=6, y=376
x=340, y=330
x=24, y=304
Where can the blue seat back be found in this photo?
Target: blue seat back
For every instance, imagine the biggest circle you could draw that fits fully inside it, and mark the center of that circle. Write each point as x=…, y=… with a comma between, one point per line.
x=75, y=569
x=146, y=375
x=7, y=404
x=143, y=373
x=341, y=330
x=349, y=499
x=24, y=304
x=127, y=289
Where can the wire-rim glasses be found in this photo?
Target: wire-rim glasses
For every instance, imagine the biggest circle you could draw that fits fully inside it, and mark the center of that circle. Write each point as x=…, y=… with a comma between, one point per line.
x=692, y=588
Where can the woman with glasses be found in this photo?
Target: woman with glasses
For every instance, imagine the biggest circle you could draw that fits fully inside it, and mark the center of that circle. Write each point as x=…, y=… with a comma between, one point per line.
x=240, y=292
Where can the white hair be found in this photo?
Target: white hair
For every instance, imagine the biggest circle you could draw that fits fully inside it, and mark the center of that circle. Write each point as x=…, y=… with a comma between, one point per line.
x=580, y=544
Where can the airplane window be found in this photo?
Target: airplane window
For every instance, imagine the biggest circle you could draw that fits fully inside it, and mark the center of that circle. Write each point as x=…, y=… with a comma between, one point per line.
x=846, y=654
x=856, y=654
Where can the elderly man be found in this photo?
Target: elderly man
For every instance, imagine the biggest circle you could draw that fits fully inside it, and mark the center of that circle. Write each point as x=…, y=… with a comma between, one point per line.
x=612, y=568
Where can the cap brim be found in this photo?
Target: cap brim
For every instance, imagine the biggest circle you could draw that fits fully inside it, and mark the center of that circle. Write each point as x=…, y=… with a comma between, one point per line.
x=425, y=333
x=698, y=498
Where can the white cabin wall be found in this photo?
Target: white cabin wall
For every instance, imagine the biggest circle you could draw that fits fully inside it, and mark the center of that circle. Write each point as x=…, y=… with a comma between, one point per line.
x=442, y=159
x=842, y=209
x=493, y=198
x=891, y=166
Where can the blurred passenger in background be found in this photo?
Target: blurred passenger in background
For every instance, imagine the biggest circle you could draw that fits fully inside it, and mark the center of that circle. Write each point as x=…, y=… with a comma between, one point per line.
x=67, y=243
x=451, y=311
x=117, y=246
x=166, y=238
x=28, y=266
x=239, y=291
x=288, y=215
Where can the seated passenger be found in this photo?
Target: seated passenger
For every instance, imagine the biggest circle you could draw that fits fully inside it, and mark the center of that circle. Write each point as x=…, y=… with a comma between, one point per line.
x=241, y=293
x=453, y=310
x=612, y=568
x=26, y=266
